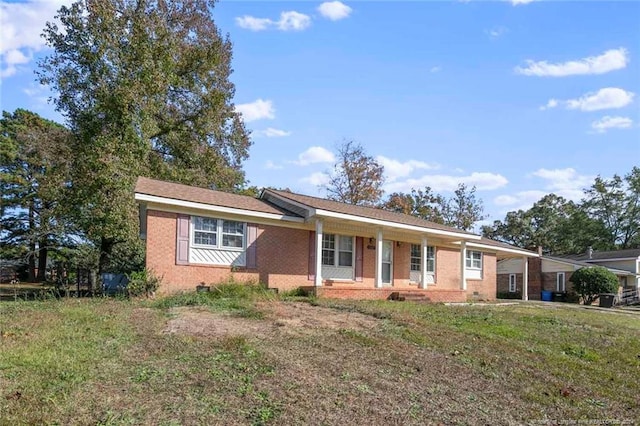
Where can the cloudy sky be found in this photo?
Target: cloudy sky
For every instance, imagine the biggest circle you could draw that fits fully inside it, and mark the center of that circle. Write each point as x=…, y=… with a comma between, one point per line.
x=519, y=98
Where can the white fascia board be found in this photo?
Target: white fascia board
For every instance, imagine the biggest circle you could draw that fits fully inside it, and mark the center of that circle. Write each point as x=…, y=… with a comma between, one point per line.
x=213, y=208
x=502, y=249
x=379, y=222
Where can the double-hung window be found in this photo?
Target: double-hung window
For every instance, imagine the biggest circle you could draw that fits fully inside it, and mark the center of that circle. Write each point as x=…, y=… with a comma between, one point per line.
x=416, y=258
x=474, y=259
x=218, y=233
x=337, y=250
x=512, y=283
x=205, y=231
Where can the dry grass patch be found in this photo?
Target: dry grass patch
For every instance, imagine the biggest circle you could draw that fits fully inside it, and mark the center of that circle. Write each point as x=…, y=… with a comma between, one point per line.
x=243, y=357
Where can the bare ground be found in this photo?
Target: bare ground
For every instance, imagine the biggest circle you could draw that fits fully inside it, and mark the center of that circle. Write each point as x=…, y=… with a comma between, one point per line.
x=332, y=367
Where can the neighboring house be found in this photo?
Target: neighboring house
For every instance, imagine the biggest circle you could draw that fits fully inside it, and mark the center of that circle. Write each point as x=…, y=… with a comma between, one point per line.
x=626, y=260
x=286, y=240
x=545, y=273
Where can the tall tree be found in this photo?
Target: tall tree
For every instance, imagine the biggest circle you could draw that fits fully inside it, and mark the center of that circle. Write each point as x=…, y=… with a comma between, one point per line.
x=461, y=211
x=422, y=203
x=356, y=178
x=34, y=160
x=144, y=86
x=616, y=203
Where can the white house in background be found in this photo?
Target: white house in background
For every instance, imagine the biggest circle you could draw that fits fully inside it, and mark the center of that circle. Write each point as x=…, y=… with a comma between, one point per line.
x=626, y=260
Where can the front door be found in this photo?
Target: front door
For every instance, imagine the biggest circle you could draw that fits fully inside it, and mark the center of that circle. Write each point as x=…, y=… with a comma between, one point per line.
x=387, y=262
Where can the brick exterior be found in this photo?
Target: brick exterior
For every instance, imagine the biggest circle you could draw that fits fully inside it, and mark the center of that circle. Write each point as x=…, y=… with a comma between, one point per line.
x=538, y=280
x=283, y=262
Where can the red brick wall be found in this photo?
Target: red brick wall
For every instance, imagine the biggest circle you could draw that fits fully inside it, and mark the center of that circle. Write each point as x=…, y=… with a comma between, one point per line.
x=283, y=259
x=485, y=288
x=433, y=295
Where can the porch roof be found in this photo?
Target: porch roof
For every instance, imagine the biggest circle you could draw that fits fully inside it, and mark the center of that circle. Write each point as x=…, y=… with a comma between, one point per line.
x=320, y=207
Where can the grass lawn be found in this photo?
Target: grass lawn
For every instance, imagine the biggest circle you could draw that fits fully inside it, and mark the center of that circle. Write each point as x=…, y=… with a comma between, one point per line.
x=247, y=357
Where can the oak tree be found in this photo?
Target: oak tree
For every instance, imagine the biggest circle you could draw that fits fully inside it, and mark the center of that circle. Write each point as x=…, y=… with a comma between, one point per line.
x=145, y=88
x=356, y=178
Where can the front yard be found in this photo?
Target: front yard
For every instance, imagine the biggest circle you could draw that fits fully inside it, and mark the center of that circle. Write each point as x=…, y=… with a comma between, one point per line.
x=251, y=358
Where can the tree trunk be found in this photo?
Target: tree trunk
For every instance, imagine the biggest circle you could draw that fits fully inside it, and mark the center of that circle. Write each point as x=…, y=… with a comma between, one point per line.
x=32, y=247
x=42, y=260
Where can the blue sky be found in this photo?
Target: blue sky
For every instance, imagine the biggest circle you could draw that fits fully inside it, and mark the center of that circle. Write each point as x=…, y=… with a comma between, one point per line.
x=518, y=99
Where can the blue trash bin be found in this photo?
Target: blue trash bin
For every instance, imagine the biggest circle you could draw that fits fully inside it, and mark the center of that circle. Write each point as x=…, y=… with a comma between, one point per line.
x=546, y=296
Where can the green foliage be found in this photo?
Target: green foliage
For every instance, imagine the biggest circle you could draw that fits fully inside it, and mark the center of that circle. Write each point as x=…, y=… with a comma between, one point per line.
x=142, y=283
x=145, y=89
x=461, y=211
x=34, y=162
x=228, y=294
x=606, y=219
x=357, y=178
x=589, y=282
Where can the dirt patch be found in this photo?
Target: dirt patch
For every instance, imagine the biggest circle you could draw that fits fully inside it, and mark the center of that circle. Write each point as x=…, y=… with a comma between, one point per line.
x=280, y=317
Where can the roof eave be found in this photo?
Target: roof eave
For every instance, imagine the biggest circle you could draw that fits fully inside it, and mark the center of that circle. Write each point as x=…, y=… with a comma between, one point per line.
x=141, y=197
x=385, y=223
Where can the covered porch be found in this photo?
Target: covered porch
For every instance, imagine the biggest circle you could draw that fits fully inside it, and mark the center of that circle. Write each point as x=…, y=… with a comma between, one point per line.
x=364, y=258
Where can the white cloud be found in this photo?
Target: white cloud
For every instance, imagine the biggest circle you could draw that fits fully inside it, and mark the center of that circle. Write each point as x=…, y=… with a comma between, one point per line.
x=608, y=122
x=394, y=169
x=610, y=60
x=293, y=21
x=315, y=154
x=289, y=21
x=607, y=98
x=270, y=132
x=252, y=23
x=317, y=179
x=20, y=27
x=496, y=32
x=334, y=10
x=270, y=165
x=520, y=2
x=435, y=69
x=564, y=182
x=483, y=181
x=257, y=110
x=551, y=104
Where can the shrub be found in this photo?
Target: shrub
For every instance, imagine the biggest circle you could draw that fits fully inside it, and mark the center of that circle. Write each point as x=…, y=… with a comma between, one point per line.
x=509, y=295
x=142, y=283
x=590, y=281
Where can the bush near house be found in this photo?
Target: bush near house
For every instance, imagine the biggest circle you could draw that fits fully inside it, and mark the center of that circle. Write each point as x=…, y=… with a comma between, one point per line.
x=591, y=281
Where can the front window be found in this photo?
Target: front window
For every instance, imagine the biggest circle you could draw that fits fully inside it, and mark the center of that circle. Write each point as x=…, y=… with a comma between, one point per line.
x=205, y=231
x=328, y=249
x=218, y=233
x=416, y=258
x=337, y=250
x=232, y=234
x=474, y=259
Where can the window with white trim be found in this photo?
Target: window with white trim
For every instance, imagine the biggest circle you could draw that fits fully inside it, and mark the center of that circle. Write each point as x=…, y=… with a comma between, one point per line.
x=337, y=250
x=206, y=232
x=512, y=283
x=560, y=286
x=474, y=259
x=416, y=258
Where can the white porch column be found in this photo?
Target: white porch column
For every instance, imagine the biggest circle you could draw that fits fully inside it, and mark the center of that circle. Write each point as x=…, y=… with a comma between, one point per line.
x=379, y=259
x=525, y=278
x=423, y=263
x=318, y=278
x=463, y=265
